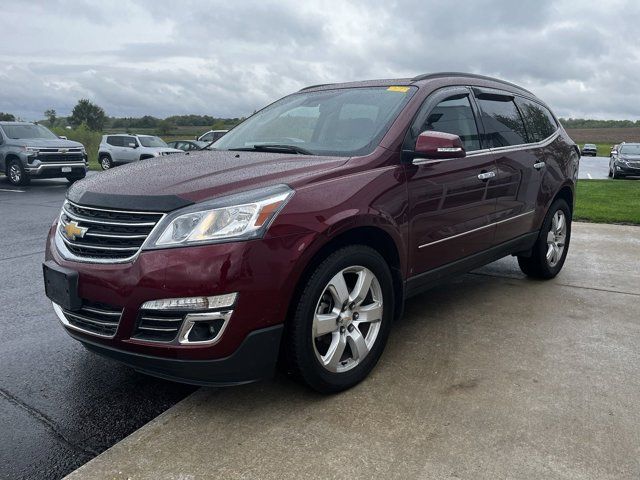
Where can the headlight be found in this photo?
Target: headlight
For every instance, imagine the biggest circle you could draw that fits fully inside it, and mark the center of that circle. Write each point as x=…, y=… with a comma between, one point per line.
x=237, y=217
x=31, y=150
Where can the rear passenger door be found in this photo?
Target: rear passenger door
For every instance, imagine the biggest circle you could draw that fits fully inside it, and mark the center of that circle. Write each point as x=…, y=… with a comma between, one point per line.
x=517, y=182
x=451, y=202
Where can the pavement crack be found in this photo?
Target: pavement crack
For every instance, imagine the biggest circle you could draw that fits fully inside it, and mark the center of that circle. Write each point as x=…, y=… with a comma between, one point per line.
x=48, y=423
x=21, y=256
x=560, y=284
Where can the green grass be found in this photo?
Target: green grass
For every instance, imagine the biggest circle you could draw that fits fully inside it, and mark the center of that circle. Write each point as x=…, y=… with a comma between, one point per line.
x=608, y=201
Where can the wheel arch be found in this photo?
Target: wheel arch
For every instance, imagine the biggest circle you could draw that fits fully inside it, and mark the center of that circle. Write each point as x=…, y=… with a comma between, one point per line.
x=567, y=193
x=7, y=160
x=372, y=236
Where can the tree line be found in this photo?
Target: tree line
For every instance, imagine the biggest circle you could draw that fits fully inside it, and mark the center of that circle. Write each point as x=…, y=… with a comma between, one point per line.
x=95, y=119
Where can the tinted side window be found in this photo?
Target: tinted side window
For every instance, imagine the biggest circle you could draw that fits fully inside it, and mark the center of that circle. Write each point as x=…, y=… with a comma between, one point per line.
x=207, y=138
x=503, y=124
x=115, y=141
x=455, y=115
x=538, y=120
x=129, y=140
x=218, y=135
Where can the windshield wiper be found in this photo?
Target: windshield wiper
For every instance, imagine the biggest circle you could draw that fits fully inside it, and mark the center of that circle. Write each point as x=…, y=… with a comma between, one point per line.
x=274, y=147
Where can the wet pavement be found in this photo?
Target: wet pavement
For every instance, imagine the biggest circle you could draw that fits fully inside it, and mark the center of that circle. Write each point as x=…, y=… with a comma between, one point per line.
x=491, y=376
x=594, y=168
x=59, y=404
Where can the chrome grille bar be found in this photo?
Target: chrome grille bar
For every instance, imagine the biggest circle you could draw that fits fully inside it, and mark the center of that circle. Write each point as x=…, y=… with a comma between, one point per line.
x=103, y=235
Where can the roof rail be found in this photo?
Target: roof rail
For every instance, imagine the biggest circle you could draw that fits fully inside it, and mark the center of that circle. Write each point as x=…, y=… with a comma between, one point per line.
x=428, y=76
x=314, y=86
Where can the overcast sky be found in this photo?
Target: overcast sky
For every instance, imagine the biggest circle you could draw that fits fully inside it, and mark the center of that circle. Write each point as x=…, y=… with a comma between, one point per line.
x=229, y=58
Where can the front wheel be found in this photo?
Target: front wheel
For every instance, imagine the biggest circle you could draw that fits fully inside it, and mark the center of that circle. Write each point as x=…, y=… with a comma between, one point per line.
x=550, y=250
x=342, y=320
x=17, y=174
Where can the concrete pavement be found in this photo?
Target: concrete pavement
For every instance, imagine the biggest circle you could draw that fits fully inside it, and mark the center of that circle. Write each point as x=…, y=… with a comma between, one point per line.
x=490, y=376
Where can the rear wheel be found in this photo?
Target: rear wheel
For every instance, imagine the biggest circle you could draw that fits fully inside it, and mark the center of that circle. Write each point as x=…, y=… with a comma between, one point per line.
x=550, y=250
x=342, y=321
x=16, y=173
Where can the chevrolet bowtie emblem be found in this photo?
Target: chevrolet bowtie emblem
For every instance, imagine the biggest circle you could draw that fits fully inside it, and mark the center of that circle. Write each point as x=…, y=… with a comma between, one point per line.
x=73, y=231
x=63, y=150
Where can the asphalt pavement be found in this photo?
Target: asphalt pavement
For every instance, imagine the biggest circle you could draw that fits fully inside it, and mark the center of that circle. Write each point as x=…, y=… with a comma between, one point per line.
x=594, y=168
x=59, y=404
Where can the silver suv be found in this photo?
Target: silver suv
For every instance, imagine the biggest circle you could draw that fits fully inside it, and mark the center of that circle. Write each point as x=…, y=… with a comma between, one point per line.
x=29, y=150
x=124, y=148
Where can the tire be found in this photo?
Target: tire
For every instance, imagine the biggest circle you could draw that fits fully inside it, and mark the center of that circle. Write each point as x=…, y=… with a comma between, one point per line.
x=350, y=347
x=105, y=162
x=610, y=173
x=614, y=174
x=550, y=250
x=16, y=173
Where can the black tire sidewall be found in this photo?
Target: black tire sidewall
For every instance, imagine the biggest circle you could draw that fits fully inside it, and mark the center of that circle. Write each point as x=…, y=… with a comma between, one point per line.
x=301, y=343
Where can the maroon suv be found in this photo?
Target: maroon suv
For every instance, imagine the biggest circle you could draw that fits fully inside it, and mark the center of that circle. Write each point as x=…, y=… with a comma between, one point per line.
x=300, y=236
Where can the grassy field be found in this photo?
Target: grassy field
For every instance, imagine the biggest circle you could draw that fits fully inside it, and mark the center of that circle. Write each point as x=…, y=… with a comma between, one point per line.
x=604, y=138
x=608, y=201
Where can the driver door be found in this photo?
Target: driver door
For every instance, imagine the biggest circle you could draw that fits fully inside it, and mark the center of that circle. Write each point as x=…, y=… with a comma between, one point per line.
x=451, y=201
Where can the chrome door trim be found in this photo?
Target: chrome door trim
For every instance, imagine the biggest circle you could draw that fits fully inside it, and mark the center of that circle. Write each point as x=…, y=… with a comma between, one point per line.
x=477, y=229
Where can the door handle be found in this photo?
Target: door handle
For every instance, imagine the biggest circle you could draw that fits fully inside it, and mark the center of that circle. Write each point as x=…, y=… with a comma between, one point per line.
x=539, y=165
x=486, y=175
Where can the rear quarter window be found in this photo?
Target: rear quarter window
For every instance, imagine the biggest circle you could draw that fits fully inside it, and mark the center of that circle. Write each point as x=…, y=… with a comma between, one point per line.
x=539, y=121
x=115, y=141
x=502, y=121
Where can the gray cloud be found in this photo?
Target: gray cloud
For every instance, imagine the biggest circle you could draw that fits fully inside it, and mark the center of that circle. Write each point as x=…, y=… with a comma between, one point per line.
x=223, y=58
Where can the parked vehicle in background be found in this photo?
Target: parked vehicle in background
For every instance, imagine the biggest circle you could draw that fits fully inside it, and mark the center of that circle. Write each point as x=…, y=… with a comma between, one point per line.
x=625, y=161
x=188, y=145
x=122, y=148
x=311, y=223
x=589, y=149
x=212, y=135
x=29, y=150
x=614, y=149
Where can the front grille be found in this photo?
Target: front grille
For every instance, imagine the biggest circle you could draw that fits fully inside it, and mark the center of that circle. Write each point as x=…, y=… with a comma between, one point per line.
x=158, y=326
x=60, y=157
x=96, y=318
x=105, y=234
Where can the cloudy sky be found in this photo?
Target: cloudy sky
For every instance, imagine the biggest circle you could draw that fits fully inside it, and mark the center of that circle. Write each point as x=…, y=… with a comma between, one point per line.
x=228, y=58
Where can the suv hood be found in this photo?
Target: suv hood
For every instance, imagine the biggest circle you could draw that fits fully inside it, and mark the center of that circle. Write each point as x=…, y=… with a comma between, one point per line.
x=45, y=142
x=173, y=181
x=633, y=158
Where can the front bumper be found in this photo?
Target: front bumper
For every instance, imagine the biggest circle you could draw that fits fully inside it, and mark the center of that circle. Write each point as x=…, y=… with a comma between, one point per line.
x=626, y=169
x=255, y=359
x=53, y=170
x=263, y=273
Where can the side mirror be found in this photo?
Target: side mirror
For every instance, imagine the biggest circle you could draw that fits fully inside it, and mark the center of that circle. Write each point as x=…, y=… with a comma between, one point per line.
x=133, y=145
x=614, y=152
x=62, y=137
x=438, y=145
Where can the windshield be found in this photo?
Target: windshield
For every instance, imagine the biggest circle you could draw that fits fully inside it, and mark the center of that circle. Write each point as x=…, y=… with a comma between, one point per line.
x=630, y=149
x=341, y=122
x=152, y=142
x=27, y=130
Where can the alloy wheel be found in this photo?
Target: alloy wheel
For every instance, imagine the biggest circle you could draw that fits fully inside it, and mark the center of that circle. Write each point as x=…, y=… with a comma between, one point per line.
x=347, y=319
x=15, y=174
x=105, y=163
x=556, y=238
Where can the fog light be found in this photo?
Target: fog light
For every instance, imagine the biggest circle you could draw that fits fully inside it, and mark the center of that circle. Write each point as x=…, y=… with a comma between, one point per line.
x=203, y=328
x=192, y=303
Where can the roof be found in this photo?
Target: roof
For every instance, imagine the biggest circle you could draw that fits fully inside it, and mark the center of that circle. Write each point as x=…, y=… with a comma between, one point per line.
x=16, y=123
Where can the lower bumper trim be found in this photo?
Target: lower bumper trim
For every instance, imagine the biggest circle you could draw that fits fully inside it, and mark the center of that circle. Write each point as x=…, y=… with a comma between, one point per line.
x=254, y=360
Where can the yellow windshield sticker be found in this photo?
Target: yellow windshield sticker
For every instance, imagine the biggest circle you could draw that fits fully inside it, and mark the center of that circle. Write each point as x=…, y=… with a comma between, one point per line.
x=398, y=89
